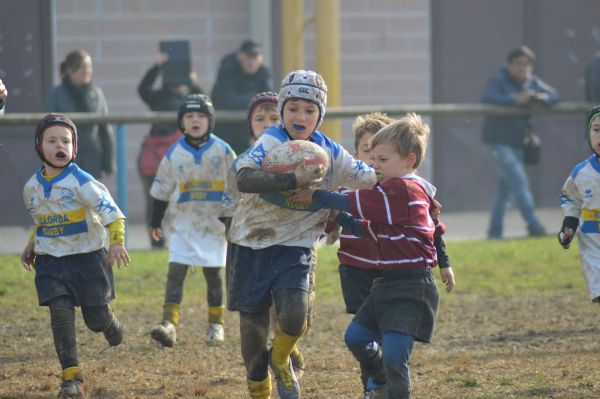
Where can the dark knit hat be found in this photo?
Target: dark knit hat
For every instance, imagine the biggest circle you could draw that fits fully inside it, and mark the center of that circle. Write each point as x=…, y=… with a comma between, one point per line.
x=53, y=120
x=594, y=113
x=197, y=103
x=267, y=98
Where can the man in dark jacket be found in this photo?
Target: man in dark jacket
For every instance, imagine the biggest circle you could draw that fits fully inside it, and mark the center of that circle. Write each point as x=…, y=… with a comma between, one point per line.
x=241, y=75
x=592, y=80
x=513, y=85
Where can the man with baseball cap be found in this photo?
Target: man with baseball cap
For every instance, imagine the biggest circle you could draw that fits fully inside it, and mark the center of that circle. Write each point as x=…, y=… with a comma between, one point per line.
x=241, y=75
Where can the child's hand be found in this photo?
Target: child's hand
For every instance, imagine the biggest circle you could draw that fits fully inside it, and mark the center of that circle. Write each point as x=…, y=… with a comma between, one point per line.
x=303, y=195
x=28, y=257
x=436, y=209
x=156, y=233
x=119, y=253
x=565, y=236
x=447, y=278
x=333, y=236
x=308, y=176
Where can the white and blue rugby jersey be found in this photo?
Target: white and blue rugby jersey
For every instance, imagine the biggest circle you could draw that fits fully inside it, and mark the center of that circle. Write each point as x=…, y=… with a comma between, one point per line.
x=269, y=219
x=70, y=212
x=193, y=180
x=580, y=198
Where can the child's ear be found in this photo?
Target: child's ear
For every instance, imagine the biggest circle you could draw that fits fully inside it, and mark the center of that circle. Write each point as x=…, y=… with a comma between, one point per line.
x=412, y=159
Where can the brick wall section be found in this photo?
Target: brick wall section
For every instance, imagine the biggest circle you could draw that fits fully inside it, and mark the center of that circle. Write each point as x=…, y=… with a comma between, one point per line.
x=123, y=35
x=385, y=51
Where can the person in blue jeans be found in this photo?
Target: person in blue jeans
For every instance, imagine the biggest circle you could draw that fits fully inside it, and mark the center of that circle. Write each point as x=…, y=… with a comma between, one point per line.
x=513, y=85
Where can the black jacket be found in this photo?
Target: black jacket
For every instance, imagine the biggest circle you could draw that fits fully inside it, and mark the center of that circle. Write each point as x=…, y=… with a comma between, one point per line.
x=233, y=89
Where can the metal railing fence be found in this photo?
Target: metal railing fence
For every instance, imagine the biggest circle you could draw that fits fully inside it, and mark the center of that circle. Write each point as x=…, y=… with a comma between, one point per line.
x=122, y=120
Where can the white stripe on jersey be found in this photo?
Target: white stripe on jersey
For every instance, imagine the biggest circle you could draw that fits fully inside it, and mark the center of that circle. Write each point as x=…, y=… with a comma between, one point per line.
x=374, y=262
x=387, y=204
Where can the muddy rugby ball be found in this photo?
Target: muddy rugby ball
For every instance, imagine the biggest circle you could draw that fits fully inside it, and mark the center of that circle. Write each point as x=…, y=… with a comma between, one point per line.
x=284, y=157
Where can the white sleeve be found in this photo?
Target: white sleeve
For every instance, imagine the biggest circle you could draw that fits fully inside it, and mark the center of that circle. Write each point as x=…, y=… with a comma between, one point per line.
x=164, y=182
x=97, y=197
x=571, y=199
x=353, y=173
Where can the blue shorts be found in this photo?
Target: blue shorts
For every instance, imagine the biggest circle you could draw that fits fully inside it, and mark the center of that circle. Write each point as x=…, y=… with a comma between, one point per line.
x=85, y=278
x=255, y=274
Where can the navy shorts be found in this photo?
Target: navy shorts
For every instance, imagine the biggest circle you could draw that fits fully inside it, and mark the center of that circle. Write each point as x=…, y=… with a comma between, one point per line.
x=85, y=278
x=255, y=274
x=356, y=285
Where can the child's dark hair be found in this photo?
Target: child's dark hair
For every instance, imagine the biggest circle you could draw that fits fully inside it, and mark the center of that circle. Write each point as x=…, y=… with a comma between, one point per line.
x=369, y=123
x=408, y=134
x=520, y=52
x=73, y=61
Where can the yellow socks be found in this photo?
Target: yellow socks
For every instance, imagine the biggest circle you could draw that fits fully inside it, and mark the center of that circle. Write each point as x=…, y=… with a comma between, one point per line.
x=260, y=389
x=215, y=314
x=72, y=373
x=283, y=344
x=171, y=312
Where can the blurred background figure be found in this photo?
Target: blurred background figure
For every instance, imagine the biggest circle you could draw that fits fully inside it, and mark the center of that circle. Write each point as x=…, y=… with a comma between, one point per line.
x=513, y=85
x=168, y=97
x=3, y=95
x=592, y=80
x=77, y=93
x=241, y=75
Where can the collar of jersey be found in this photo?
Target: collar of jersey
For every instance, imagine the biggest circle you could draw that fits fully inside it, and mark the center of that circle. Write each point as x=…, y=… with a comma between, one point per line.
x=197, y=153
x=47, y=184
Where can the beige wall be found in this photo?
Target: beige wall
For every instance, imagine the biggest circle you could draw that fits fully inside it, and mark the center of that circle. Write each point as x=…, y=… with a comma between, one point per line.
x=385, y=50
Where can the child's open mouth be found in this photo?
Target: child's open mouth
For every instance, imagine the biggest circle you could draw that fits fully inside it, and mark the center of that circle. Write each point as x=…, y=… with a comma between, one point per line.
x=298, y=127
x=61, y=154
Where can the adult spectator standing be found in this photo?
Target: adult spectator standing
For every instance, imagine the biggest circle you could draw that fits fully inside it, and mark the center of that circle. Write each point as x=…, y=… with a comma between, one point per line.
x=163, y=134
x=77, y=93
x=592, y=80
x=513, y=85
x=3, y=95
x=241, y=75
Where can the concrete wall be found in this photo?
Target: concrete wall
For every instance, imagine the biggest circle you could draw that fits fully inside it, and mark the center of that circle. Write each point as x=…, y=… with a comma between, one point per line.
x=385, y=50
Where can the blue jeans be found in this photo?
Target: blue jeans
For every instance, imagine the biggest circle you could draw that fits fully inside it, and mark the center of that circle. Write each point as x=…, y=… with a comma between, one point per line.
x=397, y=348
x=512, y=179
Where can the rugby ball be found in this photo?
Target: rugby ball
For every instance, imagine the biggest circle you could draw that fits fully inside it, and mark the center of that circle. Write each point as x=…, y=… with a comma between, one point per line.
x=284, y=157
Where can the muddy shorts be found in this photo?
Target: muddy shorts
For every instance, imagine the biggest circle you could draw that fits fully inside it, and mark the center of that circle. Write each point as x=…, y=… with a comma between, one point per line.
x=405, y=301
x=254, y=274
x=356, y=285
x=85, y=278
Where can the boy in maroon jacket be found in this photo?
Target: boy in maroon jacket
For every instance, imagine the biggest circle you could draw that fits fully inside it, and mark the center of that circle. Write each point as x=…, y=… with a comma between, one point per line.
x=402, y=305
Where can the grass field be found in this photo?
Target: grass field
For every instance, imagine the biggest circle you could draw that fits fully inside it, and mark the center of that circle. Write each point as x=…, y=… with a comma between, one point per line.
x=519, y=325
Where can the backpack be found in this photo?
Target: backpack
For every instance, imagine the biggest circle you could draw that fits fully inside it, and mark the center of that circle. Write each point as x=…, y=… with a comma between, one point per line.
x=154, y=149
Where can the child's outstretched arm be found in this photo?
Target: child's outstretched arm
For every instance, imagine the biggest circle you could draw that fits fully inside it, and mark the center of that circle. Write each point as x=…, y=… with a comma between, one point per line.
x=116, y=250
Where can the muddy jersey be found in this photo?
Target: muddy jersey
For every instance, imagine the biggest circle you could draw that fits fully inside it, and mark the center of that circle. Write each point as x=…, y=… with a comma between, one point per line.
x=70, y=212
x=266, y=219
x=192, y=180
x=580, y=198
